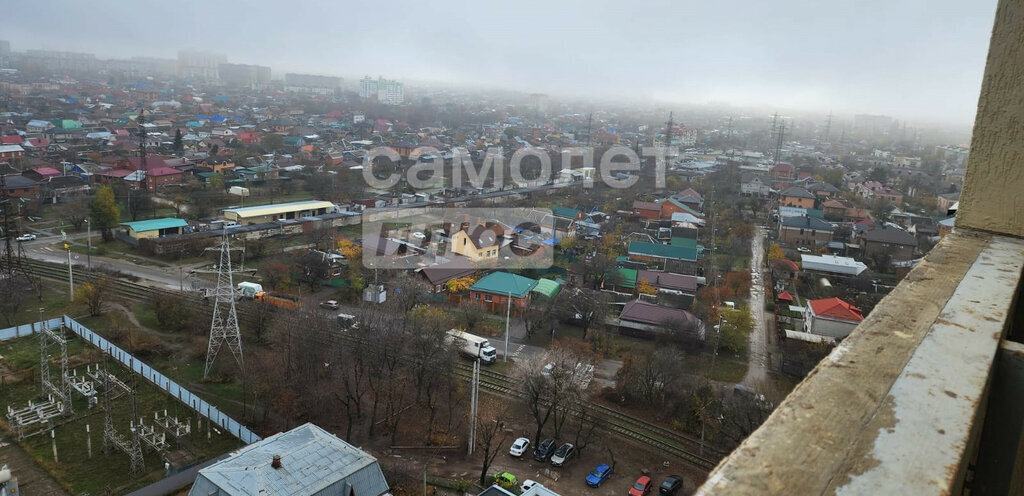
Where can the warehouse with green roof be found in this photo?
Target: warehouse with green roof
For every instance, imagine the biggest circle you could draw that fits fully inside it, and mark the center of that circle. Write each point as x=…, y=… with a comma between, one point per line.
x=154, y=228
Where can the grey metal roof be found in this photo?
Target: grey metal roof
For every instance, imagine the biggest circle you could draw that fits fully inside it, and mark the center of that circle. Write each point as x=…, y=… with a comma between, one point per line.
x=806, y=222
x=313, y=462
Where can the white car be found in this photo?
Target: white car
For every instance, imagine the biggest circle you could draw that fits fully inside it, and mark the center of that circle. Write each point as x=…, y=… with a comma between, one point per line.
x=527, y=484
x=519, y=447
x=26, y=237
x=419, y=235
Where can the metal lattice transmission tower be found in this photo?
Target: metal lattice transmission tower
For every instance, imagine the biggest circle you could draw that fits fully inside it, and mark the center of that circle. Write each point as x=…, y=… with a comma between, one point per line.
x=61, y=389
x=778, y=143
x=224, y=326
x=15, y=276
x=111, y=439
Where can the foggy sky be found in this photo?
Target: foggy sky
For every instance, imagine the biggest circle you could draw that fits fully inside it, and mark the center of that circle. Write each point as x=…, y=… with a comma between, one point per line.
x=909, y=59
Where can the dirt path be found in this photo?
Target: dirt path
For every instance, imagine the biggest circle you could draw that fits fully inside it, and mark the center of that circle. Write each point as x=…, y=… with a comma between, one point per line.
x=757, y=365
x=31, y=478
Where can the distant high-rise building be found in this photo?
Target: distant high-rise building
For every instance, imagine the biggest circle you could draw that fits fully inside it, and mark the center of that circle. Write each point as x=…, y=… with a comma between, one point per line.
x=5, y=54
x=539, y=102
x=199, y=64
x=50, y=61
x=244, y=74
x=311, y=83
x=385, y=91
x=140, y=67
x=871, y=125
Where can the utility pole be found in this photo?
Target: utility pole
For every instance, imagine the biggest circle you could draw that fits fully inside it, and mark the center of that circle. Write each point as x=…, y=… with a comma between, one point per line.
x=508, y=315
x=71, y=276
x=88, y=240
x=474, y=397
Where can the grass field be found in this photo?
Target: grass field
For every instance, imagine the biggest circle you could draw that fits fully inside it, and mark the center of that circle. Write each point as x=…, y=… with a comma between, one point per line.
x=104, y=473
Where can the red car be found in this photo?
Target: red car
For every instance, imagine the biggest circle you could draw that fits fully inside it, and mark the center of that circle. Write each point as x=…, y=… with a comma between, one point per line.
x=641, y=487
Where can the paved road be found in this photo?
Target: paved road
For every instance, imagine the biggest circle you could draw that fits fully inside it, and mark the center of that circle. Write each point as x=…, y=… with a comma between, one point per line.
x=47, y=248
x=757, y=361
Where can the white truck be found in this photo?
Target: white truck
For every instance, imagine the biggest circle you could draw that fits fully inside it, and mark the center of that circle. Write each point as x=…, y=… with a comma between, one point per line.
x=249, y=289
x=473, y=346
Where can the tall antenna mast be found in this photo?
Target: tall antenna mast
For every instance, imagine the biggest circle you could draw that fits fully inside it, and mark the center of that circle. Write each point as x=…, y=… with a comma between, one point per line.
x=668, y=131
x=778, y=143
x=224, y=328
x=590, y=118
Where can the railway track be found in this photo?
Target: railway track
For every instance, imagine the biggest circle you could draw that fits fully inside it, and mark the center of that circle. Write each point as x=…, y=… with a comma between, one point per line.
x=674, y=443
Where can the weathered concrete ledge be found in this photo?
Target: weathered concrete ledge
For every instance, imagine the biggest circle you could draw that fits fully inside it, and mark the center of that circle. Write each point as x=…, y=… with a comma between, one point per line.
x=896, y=408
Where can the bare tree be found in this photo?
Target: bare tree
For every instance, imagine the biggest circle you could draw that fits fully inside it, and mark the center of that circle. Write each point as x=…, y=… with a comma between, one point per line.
x=649, y=378
x=490, y=434
x=75, y=212
x=553, y=384
x=13, y=291
x=320, y=233
x=539, y=314
x=472, y=315
x=586, y=307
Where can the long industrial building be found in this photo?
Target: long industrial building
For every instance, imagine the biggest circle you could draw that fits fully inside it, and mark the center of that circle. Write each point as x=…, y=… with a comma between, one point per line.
x=282, y=211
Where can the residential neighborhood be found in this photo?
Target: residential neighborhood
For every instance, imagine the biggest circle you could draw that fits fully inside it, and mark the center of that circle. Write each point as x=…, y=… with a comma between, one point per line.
x=226, y=274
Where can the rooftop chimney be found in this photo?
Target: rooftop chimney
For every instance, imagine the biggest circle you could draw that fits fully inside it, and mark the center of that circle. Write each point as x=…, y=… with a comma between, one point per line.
x=277, y=461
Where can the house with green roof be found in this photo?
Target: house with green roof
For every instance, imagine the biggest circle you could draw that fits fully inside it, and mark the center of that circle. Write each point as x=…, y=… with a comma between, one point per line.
x=154, y=228
x=494, y=290
x=652, y=252
x=620, y=279
x=567, y=213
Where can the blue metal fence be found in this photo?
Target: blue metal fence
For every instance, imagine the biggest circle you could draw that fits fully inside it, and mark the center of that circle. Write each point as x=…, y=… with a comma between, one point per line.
x=149, y=373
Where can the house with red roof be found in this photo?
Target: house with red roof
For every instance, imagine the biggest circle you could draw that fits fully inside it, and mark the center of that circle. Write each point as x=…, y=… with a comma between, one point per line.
x=831, y=317
x=162, y=176
x=647, y=210
x=41, y=173
x=13, y=139
x=782, y=170
x=138, y=163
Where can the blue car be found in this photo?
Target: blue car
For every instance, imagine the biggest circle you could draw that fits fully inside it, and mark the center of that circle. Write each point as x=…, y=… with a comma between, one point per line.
x=598, y=475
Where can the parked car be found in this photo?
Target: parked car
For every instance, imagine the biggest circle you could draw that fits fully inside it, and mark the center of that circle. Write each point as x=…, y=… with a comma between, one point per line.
x=671, y=485
x=519, y=447
x=803, y=250
x=26, y=237
x=505, y=480
x=641, y=487
x=544, y=450
x=598, y=475
x=330, y=305
x=527, y=484
x=563, y=454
